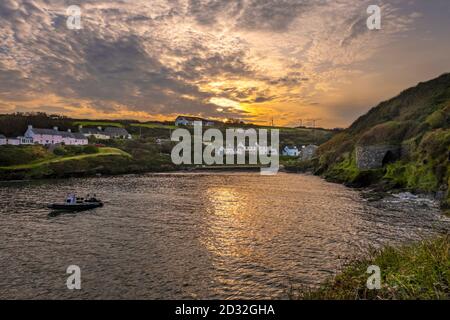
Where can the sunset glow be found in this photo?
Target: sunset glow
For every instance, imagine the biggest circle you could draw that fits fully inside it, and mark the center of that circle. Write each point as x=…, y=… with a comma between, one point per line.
x=246, y=59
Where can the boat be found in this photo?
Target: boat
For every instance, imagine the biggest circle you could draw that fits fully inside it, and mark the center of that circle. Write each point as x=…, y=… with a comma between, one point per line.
x=74, y=203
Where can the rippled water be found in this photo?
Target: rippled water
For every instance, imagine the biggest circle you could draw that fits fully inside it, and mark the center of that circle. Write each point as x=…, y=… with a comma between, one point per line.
x=220, y=235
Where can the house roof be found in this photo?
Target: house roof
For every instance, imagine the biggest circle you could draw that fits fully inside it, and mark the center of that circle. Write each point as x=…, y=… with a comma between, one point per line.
x=50, y=132
x=64, y=134
x=90, y=130
x=191, y=118
x=78, y=136
x=116, y=131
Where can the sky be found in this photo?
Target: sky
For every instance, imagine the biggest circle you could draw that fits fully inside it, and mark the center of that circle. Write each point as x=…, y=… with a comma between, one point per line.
x=255, y=60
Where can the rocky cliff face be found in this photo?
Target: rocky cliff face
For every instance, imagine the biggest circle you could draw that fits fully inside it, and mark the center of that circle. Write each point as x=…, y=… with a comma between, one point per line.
x=401, y=143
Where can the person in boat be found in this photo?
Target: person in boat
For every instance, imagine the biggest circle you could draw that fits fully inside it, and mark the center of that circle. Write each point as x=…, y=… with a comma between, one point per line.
x=91, y=199
x=71, y=199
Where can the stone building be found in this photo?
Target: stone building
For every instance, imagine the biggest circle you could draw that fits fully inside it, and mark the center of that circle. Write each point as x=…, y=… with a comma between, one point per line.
x=376, y=156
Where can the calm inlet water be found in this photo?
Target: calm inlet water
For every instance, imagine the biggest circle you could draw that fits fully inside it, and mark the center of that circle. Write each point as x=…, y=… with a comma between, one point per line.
x=230, y=235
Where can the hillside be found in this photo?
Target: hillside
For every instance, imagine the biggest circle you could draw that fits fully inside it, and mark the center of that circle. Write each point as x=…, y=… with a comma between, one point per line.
x=416, y=123
x=38, y=162
x=13, y=125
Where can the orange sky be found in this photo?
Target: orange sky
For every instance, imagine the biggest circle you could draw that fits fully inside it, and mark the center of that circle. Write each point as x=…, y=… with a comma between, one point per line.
x=253, y=60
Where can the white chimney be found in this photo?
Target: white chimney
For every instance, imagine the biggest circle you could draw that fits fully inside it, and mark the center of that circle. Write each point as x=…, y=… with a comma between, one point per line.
x=55, y=128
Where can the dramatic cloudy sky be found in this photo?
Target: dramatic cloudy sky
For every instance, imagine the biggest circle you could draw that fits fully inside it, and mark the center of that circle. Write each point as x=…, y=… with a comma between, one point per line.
x=248, y=59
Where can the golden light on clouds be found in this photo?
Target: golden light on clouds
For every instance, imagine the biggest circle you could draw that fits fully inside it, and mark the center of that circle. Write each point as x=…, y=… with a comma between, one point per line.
x=251, y=60
x=224, y=102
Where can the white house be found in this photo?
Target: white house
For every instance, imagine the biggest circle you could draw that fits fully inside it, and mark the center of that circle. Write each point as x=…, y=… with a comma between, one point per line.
x=290, y=151
x=3, y=140
x=74, y=138
x=52, y=136
x=25, y=140
x=97, y=133
x=189, y=121
x=44, y=136
x=13, y=141
x=105, y=134
x=117, y=133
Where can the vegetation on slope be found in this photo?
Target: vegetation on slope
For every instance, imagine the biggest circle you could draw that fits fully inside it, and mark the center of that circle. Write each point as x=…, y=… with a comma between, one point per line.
x=36, y=162
x=418, y=271
x=100, y=152
x=418, y=121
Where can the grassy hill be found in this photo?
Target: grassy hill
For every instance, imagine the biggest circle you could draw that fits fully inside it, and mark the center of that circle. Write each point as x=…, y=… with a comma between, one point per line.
x=417, y=271
x=13, y=125
x=34, y=162
x=418, y=121
x=51, y=158
x=37, y=162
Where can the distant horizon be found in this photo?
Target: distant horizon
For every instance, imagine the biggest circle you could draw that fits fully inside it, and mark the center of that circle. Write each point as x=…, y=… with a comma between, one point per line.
x=293, y=61
x=173, y=118
x=118, y=120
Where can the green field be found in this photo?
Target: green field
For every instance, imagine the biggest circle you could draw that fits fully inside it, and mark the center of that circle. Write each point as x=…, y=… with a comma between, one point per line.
x=97, y=124
x=55, y=159
x=154, y=126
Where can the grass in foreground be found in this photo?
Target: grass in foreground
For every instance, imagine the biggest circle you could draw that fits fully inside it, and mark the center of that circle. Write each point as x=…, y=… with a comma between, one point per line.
x=418, y=271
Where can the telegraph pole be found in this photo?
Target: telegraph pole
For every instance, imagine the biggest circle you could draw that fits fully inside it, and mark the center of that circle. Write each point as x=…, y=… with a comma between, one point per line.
x=314, y=121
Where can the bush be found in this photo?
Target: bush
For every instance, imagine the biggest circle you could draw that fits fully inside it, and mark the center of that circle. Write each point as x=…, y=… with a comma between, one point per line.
x=15, y=155
x=60, y=151
x=436, y=143
x=392, y=132
x=437, y=119
x=90, y=149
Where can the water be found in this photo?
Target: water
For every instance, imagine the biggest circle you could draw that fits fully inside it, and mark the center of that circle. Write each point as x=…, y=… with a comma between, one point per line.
x=193, y=236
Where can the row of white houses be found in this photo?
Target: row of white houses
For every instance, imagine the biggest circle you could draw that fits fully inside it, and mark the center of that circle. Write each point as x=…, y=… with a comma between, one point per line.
x=55, y=136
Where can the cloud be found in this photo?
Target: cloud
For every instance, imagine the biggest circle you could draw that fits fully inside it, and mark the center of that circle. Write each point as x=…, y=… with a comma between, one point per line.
x=173, y=56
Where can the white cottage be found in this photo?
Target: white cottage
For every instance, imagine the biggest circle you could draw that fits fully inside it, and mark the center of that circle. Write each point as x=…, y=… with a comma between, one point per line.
x=2, y=140
x=117, y=133
x=291, y=151
x=53, y=136
x=44, y=136
x=97, y=133
x=25, y=140
x=189, y=121
x=13, y=141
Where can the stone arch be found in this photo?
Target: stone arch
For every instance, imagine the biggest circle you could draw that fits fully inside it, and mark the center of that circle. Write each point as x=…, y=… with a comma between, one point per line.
x=376, y=156
x=389, y=157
